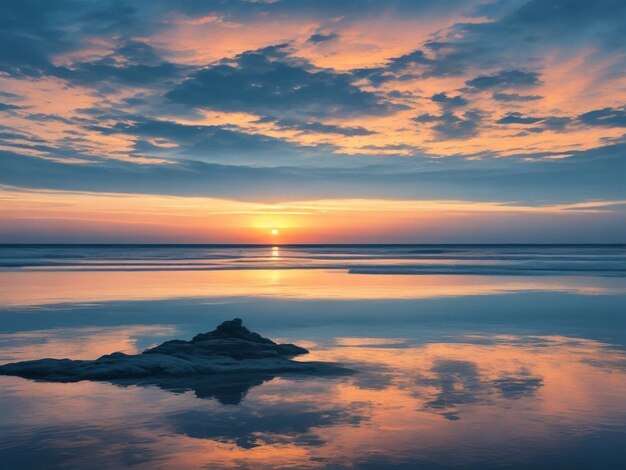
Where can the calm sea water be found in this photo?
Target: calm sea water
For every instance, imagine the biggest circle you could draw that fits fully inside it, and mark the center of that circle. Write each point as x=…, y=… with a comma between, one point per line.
x=606, y=260
x=467, y=356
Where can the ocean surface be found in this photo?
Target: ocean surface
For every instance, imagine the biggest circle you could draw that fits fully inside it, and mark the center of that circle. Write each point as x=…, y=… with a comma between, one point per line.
x=604, y=260
x=467, y=356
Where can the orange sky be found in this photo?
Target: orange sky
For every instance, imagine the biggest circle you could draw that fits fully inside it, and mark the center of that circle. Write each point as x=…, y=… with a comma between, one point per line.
x=220, y=221
x=398, y=121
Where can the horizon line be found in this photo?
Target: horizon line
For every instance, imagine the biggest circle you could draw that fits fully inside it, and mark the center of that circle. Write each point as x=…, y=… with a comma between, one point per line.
x=297, y=244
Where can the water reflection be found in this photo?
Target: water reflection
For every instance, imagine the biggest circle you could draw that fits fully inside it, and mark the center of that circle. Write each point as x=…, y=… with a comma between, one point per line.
x=453, y=370
x=501, y=399
x=227, y=390
x=79, y=343
x=31, y=288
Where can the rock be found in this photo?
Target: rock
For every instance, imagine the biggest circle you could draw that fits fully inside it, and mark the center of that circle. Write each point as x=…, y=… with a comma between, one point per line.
x=229, y=349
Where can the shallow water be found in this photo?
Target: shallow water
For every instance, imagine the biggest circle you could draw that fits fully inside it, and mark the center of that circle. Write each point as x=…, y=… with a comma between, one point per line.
x=463, y=369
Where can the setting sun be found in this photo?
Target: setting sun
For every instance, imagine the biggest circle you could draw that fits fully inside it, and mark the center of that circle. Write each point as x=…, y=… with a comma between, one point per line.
x=275, y=231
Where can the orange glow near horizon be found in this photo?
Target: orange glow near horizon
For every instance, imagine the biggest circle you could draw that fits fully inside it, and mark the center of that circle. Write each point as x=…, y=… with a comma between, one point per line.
x=203, y=219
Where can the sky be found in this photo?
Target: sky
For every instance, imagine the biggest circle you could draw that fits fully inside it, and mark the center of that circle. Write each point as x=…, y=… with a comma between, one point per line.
x=353, y=121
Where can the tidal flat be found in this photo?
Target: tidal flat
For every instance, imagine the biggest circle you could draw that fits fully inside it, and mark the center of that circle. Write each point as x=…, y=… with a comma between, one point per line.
x=452, y=370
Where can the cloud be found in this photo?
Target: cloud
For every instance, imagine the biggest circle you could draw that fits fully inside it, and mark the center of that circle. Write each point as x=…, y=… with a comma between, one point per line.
x=199, y=141
x=586, y=175
x=449, y=102
x=94, y=73
x=34, y=31
x=453, y=126
x=8, y=107
x=6, y=94
x=567, y=20
x=504, y=79
x=517, y=118
x=515, y=97
x=525, y=31
x=395, y=68
x=321, y=37
x=547, y=123
x=606, y=117
x=425, y=118
x=318, y=127
x=520, y=34
x=269, y=81
x=416, y=57
x=27, y=37
x=555, y=123
x=133, y=63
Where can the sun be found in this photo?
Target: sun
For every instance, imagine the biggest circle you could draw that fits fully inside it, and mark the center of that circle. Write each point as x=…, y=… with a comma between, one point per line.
x=275, y=231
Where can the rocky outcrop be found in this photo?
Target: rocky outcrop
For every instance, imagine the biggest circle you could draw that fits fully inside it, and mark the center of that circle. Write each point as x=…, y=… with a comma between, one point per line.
x=229, y=349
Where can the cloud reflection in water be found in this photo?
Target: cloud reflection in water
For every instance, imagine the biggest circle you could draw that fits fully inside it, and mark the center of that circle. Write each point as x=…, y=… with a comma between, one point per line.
x=409, y=403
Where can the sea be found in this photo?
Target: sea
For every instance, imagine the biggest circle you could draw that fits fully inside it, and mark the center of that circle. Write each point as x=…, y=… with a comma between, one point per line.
x=465, y=356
